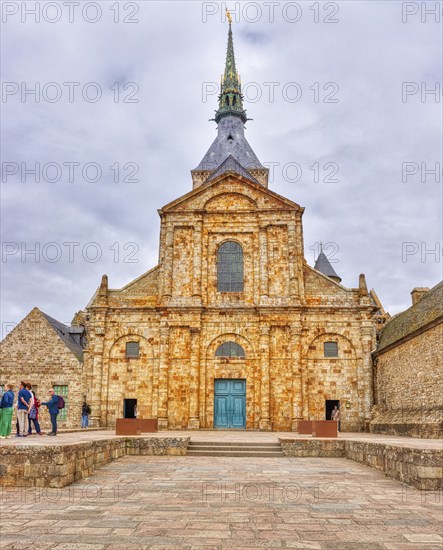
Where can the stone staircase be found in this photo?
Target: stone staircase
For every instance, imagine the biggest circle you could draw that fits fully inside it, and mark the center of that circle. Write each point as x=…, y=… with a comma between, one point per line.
x=237, y=449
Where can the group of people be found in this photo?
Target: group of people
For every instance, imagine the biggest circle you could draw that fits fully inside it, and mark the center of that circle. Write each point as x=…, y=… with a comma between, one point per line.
x=27, y=406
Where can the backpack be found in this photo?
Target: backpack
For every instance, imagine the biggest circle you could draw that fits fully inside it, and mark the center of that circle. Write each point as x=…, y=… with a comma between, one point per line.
x=88, y=409
x=60, y=402
x=33, y=413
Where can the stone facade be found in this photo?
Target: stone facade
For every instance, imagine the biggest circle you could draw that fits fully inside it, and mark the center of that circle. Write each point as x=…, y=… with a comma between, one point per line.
x=282, y=319
x=36, y=351
x=408, y=367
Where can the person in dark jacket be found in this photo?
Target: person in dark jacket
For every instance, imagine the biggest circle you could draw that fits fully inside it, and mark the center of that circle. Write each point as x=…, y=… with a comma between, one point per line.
x=52, y=405
x=33, y=416
x=86, y=411
x=6, y=410
x=23, y=405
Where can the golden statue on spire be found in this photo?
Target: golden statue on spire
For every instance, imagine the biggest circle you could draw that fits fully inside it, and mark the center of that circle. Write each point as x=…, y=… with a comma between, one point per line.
x=229, y=16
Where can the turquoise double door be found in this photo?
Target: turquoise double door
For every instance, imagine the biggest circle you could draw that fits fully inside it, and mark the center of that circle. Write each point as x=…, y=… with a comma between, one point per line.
x=230, y=404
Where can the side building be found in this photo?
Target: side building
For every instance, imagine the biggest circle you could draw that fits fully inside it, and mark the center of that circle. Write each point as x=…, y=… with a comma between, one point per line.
x=46, y=353
x=408, y=369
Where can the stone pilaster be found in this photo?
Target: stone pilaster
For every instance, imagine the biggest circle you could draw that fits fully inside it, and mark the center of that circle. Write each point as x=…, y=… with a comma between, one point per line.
x=297, y=374
x=367, y=382
x=163, y=378
x=300, y=259
x=194, y=384
x=96, y=366
x=168, y=262
x=265, y=420
x=292, y=253
x=263, y=272
x=197, y=278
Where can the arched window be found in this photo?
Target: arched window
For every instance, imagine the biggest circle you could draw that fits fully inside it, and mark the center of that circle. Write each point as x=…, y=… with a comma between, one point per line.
x=230, y=349
x=230, y=267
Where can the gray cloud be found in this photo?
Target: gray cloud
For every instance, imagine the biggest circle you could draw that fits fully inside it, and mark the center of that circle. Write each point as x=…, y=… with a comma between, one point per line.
x=170, y=54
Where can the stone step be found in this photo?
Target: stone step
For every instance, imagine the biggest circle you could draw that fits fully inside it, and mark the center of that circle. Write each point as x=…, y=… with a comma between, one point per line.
x=237, y=453
x=231, y=447
x=236, y=444
x=234, y=449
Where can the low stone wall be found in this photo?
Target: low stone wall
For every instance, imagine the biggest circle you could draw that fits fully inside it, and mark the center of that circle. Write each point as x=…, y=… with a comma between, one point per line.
x=176, y=446
x=425, y=430
x=313, y=447
x=420, y=468
x=61, y=465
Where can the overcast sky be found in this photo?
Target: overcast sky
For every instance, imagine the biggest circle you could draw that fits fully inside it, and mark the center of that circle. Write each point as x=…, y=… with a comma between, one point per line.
x=339, y=104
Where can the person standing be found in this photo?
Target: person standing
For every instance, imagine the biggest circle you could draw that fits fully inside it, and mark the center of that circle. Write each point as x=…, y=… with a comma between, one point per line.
x=52, y=405
x=86, y=411
x=33, y=416
x=23, y=405
x=6, y=410
x=336, y=416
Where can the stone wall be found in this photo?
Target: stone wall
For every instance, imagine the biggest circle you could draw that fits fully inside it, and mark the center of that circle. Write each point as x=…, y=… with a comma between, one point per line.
x=33, y=352
x=408, y=387
x=420, y=468
x=61, y=465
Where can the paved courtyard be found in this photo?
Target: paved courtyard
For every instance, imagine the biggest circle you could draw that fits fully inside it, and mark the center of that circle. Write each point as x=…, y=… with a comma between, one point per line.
x=184, y=503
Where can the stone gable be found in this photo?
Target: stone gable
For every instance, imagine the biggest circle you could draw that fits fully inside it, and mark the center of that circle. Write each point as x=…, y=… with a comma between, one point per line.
x=34, y=352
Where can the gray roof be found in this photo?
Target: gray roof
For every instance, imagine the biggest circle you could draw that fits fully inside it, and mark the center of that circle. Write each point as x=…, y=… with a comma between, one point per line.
x=231, y=165
x=427, y=310
x=324, y=266
x=230, y=141
x=65, y=334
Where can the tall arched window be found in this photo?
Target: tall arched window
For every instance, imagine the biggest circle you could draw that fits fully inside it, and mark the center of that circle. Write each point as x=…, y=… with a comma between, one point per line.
x=230, y=349
x=230, y=267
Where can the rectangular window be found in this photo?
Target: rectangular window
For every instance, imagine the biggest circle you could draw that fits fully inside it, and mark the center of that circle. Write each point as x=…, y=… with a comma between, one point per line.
x=63, y=391
x=330, y=349
x=132, y=349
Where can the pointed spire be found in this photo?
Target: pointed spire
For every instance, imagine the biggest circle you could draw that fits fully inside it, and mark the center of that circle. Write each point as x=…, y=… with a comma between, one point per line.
x=230, y=99
x=324, y=266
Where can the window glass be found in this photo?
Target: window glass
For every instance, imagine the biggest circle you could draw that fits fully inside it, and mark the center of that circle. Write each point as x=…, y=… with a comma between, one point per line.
x=132, y=349
x=330, y=349
x=230, y=267
x=230, y=349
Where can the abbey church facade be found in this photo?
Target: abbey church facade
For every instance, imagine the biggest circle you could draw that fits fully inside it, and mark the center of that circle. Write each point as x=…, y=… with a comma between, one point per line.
x=233, y=329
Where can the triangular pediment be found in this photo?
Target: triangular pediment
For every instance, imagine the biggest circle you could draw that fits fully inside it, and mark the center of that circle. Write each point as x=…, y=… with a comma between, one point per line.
x=242, y=190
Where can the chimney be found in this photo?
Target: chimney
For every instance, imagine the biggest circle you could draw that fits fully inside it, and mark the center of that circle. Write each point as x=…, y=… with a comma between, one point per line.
x=418, y=293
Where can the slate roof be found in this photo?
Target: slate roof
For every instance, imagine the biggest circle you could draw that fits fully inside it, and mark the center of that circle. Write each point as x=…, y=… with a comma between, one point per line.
x=422, y=313
x=64, y=333
x=230, y=141
x=231, y=165
x=324, y=266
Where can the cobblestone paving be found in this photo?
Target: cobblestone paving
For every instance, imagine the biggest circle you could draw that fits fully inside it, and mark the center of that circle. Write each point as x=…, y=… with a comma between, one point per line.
x=193, y=503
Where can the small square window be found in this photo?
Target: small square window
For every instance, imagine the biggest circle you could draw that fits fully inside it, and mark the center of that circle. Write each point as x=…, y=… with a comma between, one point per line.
x=132, y=349
x=330, y=349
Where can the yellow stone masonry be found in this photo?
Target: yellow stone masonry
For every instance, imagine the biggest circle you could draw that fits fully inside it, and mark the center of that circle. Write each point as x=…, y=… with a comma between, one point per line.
x=282, y=319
